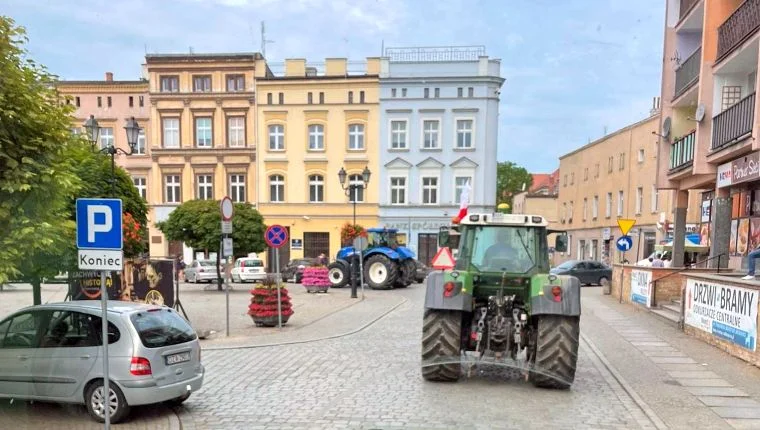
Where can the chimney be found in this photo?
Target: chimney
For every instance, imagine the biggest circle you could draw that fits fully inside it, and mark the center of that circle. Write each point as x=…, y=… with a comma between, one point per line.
x=295, y=67
x=109, y=77
x=655, y=106
x=336, y=67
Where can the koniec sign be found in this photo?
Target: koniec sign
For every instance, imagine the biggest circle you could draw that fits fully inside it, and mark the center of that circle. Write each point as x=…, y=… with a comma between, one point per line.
x=725, y=311
x=641, y=287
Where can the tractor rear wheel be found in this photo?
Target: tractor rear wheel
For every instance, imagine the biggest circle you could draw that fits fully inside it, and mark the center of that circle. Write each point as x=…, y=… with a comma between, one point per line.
x=408, y=270
x=556, y=353
x=441, y=338
x=380, y=272
x=338, y=274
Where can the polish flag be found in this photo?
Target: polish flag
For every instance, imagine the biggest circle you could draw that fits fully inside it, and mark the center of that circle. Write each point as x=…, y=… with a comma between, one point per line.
x=465, y=202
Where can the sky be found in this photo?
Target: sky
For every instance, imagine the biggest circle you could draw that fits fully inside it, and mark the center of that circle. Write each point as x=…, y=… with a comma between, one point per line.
x=573, y=68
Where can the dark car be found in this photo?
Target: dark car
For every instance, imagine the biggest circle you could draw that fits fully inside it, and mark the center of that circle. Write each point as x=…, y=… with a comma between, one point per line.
x=294, y=269
x=588, y=272
x=421, y=272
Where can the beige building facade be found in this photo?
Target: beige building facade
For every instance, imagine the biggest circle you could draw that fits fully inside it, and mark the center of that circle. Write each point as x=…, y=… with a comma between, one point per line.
x=610, y=178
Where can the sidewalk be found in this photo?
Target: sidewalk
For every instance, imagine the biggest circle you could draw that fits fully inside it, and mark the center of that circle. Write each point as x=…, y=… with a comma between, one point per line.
x=688, y=383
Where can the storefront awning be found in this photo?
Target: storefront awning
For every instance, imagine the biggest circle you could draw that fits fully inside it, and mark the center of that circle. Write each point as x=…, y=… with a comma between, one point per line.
x=689, y=246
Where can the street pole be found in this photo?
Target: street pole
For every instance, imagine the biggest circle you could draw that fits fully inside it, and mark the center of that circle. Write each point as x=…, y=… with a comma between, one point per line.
x=113, y=171
x=279, y=294
x=104, y=321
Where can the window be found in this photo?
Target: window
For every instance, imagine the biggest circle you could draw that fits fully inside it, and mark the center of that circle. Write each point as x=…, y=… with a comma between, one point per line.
x=141, y=101
x=269, y=98
x=106, y=137
x=393, y=92
x=235, y=83
x=171, y=132
x=427, y=93
x=350, y=97
x=321, y=98
x=172, y=189
x=141, y=144
x=100, y=101
x=281, y=97
x=563, y=212
x=357, y=188
x=70, y=330
x=460, y=92
x=78, y=101
x=595, y=208
x=203, y=132
x=585, y=173
x=429, y=190
x=316, y=137
x=564, y=180
x=464, y=133
x=201, y=84
x=21, y=331
x=108, y=101
x=316, y=188
x=276, y=188
x=141, y=185
x=437, y=92
x=460, y=183
x=403, y=92
x=398, y=134
x=570, y=216
x=620, y=203
x=609, y=164
x=398, y=190
x=309, y=99
x=169, y=84
x=356, y=136
x=162, y=327
x=205, y=189
x=622, y=161
x=572, y=178
x=639, y=200
x=430, y=134
x=276, y=138
x=641, y=155
x=608, y=208
x=236, y=131
x=655, y=196
x=131, y=101
x=237, y=188
x=596, y=175
x=730, y=95
x=585, y=208
x=361, y=96
x=470, y=92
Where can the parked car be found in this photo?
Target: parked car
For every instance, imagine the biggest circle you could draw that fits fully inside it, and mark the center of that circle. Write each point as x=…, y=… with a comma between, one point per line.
x=248, y=269
x=421, y=272
x=202, y=270
x=588, y=272
x=294, y=269
x=52, y=353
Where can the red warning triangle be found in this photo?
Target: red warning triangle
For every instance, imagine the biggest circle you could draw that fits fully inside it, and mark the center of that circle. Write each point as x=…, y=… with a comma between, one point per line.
x=443, y=259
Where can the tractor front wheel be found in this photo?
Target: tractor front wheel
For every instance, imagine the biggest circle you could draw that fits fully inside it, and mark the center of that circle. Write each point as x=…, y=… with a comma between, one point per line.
x=380, y=272
x=556, y=353
x=441, y=338
x=338, y=274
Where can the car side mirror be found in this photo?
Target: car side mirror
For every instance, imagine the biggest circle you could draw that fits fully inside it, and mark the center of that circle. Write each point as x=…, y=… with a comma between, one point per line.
x=560, y=243
x=443, y=237
x=453, y=242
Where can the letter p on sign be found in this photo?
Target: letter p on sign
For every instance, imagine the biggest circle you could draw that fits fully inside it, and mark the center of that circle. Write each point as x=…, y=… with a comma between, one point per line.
x=94, y=227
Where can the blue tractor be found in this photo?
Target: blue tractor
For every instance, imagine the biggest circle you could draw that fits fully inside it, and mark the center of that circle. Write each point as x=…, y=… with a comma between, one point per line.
x=386, y=264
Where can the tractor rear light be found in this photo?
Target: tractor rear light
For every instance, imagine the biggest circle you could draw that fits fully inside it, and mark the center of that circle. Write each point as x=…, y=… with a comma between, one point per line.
x=140, y=366
x=448, y=289
x=557, y=293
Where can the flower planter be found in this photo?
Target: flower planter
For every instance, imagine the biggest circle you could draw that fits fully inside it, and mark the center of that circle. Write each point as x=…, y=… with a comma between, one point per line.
x=315, y=279
x=263, y=308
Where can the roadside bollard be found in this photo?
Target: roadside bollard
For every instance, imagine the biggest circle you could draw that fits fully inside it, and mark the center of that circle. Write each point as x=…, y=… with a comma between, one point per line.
x=354, y=275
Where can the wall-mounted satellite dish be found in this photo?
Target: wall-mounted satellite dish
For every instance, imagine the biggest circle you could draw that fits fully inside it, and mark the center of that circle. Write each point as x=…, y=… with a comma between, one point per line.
x=666, y=127
x=700, y=113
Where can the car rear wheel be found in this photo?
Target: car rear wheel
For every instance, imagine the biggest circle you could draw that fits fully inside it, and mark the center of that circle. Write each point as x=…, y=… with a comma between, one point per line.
x=96, y=403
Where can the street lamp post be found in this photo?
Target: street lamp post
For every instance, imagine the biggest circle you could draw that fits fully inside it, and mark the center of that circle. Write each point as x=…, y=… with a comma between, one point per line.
x=352, y=189
x=133, y=131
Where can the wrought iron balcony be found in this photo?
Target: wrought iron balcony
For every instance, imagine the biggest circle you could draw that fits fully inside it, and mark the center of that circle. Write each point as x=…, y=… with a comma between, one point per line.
x=682, y=151
x=686, y=6
x=738, y=27
x=733, y=123
x=688, y=74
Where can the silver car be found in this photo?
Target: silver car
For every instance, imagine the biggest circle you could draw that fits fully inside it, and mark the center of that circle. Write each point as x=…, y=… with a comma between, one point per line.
x=202, y=270
x=53, y=352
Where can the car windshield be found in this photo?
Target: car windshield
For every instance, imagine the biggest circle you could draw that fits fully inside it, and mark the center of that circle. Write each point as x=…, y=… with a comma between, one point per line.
x=567, y=265
x=207, y=263
x=161, y=327
x=499, y=248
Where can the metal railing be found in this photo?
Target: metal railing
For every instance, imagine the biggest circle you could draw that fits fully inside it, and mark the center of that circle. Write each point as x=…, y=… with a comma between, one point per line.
x=688, y=73
x=734, y=122
x=686, y=6
x=435, y=53
x=738, y=27
x=682, y=151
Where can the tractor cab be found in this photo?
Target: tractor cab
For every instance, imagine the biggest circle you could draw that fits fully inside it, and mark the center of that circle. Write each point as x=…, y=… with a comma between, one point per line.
x=386, y=237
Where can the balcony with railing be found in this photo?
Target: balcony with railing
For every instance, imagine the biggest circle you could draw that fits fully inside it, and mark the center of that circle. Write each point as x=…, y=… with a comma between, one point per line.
x=733, y=123
x=686, y=6
x=742, y=24
x=688, y=73
x=682, y=152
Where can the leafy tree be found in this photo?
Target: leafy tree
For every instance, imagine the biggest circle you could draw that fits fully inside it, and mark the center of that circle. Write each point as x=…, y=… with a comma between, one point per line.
x=197, y=223
x=36, y=179
x=509, y=181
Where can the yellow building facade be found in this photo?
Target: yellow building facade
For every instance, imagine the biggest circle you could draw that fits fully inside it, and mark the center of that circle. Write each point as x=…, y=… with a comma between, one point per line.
x=313, y=121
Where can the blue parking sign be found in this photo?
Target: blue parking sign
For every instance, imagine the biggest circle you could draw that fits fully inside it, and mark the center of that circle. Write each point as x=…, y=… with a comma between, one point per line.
x=99, y=224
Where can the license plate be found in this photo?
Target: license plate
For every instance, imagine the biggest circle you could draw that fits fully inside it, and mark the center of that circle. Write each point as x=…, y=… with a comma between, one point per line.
x=178, y=358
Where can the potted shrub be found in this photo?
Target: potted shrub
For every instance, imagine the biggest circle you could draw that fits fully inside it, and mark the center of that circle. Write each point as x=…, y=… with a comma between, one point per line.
x=315, y=279
x=263, y=307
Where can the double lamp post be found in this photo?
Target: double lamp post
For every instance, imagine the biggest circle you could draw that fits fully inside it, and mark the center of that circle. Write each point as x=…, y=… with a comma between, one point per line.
x=133, y=132
x=352, y=189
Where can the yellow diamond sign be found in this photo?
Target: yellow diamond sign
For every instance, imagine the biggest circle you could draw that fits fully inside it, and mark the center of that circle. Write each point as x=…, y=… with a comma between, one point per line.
x=625, y=225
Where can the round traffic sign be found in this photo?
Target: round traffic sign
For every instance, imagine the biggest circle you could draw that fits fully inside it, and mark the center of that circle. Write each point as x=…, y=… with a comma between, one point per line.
x=276, y=236
x=624, y=243
x=226, y=208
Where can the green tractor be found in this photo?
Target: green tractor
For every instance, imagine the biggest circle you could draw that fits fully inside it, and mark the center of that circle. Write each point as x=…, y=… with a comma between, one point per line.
x=500, y=303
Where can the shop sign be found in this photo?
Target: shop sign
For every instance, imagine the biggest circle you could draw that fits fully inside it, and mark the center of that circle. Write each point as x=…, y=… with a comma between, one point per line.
x=724, y=175
x=706, y=206
x=606, y=233
x=424, y=225
x=641, y=287
x=745, y=169
x=725, y=311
